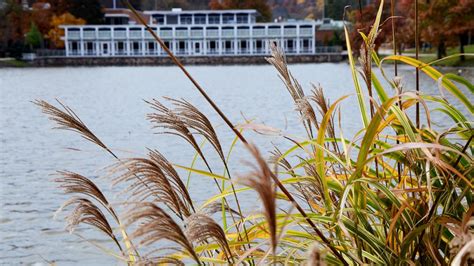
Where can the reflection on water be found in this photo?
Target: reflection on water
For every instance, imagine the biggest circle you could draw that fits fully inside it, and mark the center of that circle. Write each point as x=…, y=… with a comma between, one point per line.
x=110, y=101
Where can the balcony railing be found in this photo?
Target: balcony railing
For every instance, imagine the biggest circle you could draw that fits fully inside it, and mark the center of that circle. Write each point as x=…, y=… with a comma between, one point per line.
x=181, y=33
x=228, y=51
x=243, y=33
x=290, y=32
x=274, y=32
x=228, y=33
x=148, y=35
x=135, y=34
x=105, y=34
x=212, y=33
x=166, y=33
x=74, y=35
x=259, y=32
x=212, y=51
x=197, y=33
x=120, y=34
x=89, y=34
x=306, y=32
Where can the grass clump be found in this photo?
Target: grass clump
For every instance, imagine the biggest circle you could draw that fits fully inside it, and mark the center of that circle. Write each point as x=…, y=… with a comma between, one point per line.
x=395, y=193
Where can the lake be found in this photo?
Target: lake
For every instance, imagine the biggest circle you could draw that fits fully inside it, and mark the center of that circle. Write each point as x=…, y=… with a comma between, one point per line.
x=110, y=100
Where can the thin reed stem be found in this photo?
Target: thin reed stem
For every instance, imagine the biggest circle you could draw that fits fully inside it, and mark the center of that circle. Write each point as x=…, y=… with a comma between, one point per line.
x=417, y=51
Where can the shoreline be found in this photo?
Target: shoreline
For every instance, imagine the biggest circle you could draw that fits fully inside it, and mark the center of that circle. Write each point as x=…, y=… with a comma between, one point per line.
x=166, y=61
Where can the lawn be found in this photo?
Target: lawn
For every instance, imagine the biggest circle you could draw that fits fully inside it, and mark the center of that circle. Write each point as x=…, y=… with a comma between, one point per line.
x=430, y=56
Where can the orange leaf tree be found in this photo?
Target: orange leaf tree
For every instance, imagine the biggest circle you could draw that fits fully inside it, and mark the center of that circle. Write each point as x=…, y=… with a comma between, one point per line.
x=57, y=32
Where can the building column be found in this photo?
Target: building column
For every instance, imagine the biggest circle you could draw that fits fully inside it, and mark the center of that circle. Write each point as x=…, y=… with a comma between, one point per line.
x=235, y=38
x=127, y=42
x=112, y=42
x=251, y=40
x=81, y=42
x=313, y=33
x=282, y=38
x=66, y=41
x=143, y=44
x=204, y=40
x=298, y=48
x=219, y=47
x=173, y=41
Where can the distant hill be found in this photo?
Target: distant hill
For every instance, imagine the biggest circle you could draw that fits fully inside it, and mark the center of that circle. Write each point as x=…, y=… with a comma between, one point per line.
x=290, y=9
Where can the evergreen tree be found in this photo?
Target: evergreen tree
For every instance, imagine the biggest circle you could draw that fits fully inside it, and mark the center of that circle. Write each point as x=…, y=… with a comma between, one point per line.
x=33, y=37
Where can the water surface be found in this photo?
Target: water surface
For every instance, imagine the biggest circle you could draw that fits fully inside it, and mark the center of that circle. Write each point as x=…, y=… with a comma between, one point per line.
x=110, y=101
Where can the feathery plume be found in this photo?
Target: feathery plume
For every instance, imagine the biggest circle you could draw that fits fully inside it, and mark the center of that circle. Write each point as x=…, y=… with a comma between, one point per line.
x=154, y=224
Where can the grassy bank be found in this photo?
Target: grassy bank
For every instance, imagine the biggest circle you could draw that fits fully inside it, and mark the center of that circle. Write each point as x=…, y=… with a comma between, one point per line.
x=454, y=61
x=7, y=62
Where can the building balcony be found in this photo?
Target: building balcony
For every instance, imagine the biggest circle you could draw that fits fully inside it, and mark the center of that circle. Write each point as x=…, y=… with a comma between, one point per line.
x=290, y=32
x=228, y=33
x=105, y=34
x=212, y=33
x=197, y=33
x=259, y=33
x=120, y=34
x=74, y=35
x=243, y=33
x=135, y=34
x=88, y=34
x=274, y=32
x=166, y=33
x=306, y=32
x=148, y=35
x=181, y=34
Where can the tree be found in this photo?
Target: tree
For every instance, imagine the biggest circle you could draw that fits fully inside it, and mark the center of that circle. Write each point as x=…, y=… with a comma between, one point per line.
x=14, y=23
x=89, y=10
x=33, y=37
x=260, y=5
x=462, y=22
x=56, y=32
x=363, y=19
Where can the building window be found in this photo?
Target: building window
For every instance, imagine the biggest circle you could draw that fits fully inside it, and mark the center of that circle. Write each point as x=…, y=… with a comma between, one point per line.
x=228, y=46
x=186, y=19
x=214, y=19
x=199, y=19
x=172, y=19
x=136, y=47
x=159, y=19
x=306, y=45
x=259, y=46
x=212, y=47
x=181, y=47
x=290, y=46
x=243, y=45
x=167, y=45
x=242, y=18
x=120, y=48
x=228, y=19
x=151, y=47
x=90, y=48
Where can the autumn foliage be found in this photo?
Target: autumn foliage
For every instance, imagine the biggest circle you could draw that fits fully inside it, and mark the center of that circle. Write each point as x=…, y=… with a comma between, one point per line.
x=56, y=32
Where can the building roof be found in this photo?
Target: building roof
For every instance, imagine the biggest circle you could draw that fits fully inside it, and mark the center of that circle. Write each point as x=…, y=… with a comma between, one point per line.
x=124, y=12
x=175, y=11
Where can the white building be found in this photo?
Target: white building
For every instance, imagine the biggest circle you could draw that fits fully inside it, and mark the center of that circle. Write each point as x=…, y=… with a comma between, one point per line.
x=190, y=33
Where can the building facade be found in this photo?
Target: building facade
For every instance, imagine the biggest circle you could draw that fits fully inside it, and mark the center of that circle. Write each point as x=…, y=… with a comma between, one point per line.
x=191, y=33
